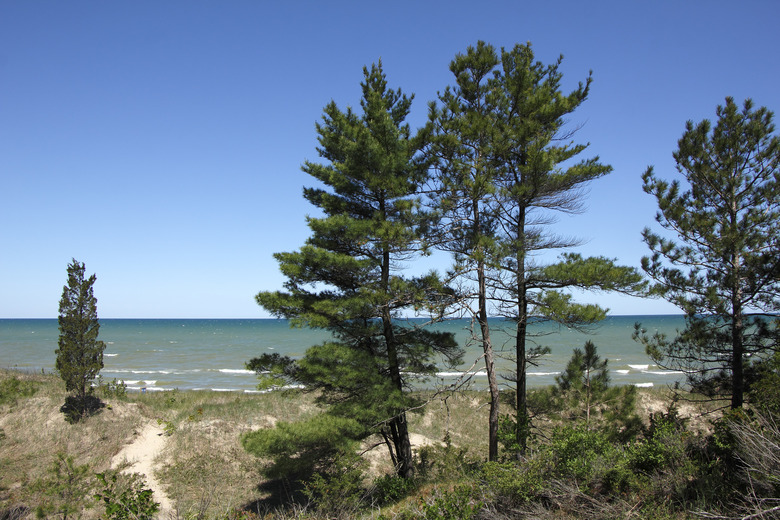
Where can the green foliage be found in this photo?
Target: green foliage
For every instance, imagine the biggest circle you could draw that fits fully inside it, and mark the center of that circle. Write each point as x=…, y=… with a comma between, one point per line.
x=723, y=442
x=504, y=171
x=66, y=488
x=512, y=484
x=663, y=446
x=583, y=393
x=720, y=267
x=508, y=430
x=300, y=449
x=13, y=388
x=764, y=390
x=338, y=490
x=391, y=488
x=436, y=462
x=116, y=389
x=347, y=277
x=79, y=353
x=580, y=453
x=126, y=497
x=169, y=428
x=458, y=503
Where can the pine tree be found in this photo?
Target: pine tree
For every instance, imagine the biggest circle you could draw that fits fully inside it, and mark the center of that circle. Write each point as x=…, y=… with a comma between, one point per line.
x=722, y=266
x=463, y=129
x=586, y=374
x=80, y=354
x=520, y=154
x=347, y=277
x=539, y=178
x=583, y=389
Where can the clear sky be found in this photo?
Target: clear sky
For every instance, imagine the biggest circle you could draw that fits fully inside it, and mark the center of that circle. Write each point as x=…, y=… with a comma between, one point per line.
x=161, y=142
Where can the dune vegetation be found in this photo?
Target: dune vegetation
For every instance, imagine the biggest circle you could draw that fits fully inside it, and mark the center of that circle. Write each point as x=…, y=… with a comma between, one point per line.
x=665, y=457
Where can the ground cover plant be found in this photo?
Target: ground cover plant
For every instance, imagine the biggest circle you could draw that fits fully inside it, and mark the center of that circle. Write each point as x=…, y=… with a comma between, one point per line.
x=681, y=464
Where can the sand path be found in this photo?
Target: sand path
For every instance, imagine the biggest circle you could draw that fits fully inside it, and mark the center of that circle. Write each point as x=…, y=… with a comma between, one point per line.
x=140, y=453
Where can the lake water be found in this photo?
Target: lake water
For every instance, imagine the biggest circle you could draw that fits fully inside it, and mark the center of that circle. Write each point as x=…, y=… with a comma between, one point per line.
x=164, y=354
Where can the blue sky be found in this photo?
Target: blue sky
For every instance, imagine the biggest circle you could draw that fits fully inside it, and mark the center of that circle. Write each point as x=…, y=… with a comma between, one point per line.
x=161, y=142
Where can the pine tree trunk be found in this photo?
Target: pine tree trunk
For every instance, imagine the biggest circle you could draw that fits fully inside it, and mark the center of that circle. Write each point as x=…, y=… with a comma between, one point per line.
x=521, y=404
x=737, y=355
x=487, y=348
x=399, y=428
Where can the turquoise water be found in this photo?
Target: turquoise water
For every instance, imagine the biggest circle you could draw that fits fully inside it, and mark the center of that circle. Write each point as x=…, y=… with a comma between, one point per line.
x=210, y=354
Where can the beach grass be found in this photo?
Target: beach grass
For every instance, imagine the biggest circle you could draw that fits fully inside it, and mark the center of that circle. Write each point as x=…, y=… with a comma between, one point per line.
x=203, y=469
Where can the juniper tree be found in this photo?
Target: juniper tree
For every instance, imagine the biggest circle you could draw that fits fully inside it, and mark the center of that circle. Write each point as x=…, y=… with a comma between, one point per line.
x=79, y=352
x=720, y=261
x=347, y=277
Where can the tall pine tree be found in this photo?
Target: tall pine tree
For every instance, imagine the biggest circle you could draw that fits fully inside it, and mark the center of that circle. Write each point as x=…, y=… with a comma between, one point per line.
x=347, y=277
x=462, y=149
x=721, y=268
x=538, y=177
x=510, y=162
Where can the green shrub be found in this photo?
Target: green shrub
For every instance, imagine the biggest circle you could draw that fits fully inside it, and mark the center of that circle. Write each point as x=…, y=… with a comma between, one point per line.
x=126, y=497
x=663, y=446
x=621, y=479
x=507, y=433
x=456, y=504
x=580, y=453
x=168, y=427
x=303, y=448
x=391, y=488
x=337, y=490
x=442, y=462
x=65, y=490
x=116, y=389
x=513, y=484
x=13, y=389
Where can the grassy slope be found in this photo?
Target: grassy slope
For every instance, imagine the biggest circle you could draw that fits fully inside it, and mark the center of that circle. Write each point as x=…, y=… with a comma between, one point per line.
x=204, y=467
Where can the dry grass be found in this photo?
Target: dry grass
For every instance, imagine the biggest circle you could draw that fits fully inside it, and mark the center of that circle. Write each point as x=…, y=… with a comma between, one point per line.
x=34, y=431
x=203, y=469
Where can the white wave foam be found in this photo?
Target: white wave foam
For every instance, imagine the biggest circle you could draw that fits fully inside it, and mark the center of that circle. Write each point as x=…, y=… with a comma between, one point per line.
x=643, y=385
x=640, y=367
x=664, y=372
x=622, y=371
x=236, y=371
x=449, y=374
x=130, y=371
x=110, y=355
x=145, y=389
x=543, y=373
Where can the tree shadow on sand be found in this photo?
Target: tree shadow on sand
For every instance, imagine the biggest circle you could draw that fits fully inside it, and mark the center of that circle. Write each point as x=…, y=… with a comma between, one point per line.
x=281, y=494
x=77, y=408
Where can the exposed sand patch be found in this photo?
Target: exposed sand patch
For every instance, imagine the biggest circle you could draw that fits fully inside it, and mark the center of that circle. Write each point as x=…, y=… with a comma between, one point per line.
x=141, y=454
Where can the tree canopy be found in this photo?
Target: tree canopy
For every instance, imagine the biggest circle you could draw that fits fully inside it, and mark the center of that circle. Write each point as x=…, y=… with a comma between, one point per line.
x=79, y=352
x=719, y=261
x=347, y=277
x=507, y=166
